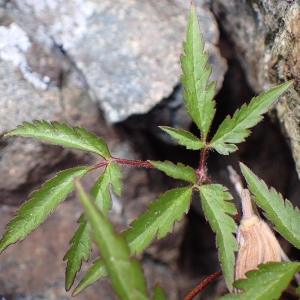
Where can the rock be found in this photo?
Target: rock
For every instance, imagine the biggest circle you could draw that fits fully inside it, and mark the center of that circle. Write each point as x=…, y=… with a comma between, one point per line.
x=21, y=102
x=266, y=37
x=15, y=43
x=24, y=98
x=25, y=161
x=127, y=52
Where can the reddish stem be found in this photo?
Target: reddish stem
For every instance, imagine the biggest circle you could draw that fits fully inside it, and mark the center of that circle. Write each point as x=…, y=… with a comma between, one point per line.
x=202, y=285
x=202, y=171
x=123, y=161
x=137, y=163
x=100, y=165
x=203, y=159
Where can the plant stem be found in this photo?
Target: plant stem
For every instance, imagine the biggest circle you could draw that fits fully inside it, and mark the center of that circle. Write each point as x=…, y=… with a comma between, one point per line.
x=123, y=161
x=203, y=158
x=202, y=171
x=100, y=165
x=202, y=285
x=137, y=163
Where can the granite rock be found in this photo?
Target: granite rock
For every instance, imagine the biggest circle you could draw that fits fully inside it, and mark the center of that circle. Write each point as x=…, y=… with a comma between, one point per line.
x=127, y=51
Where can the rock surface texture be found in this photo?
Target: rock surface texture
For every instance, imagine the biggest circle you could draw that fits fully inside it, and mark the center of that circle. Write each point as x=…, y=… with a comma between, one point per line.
x=127, y=51
x=266, y=35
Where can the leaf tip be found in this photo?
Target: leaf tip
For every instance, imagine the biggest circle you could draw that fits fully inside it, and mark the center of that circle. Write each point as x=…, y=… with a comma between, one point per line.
x=68, y=285
x=76, y=292
x=244, y=168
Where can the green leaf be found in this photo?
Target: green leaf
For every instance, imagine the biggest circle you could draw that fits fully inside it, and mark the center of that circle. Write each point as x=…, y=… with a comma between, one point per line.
x=235, y=130
x=100, y=190
x=81, y=240
x=184, y=138
x=125, y=273
x=42, y=203
x=178, y=171
x=159, y=293
x=80, y=250
x=217, y=210
x=198, y=96
x=267, y=283
x=158, y=220
x=63, y=135
x=278, y=211
x=94, y=273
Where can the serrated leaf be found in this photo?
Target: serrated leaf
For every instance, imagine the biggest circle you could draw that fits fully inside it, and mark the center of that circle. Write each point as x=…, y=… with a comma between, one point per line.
x=42, y=203
x=100, y=190
x=94, y=273
x=178, y=171
x=267, y=283
x=80, y=250
x=278, y=211
x=198, y=94
x=184, y=138
x=125, y=273
x=63, y=135
x=159, y=293
x=158, y=220
x=235, y=130
x=81, y=242
x=214, y=198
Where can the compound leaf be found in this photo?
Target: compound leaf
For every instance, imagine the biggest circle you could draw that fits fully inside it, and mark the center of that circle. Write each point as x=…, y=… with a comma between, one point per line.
x=42, y=203
x=178, y=171
x=184, y=138
x=198, y=94
x=278, y=211
x=217, y=210
x=63, y=135
x=235, y=130
x=125, y=273
x=266, y=283
x=158, y=220
x=80, y=250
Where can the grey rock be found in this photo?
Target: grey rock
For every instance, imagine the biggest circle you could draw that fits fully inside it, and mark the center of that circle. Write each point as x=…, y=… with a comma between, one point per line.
x=266, y=36
x=127, y=52
x=26, y=162
x=21, y=102
x=14, y=43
